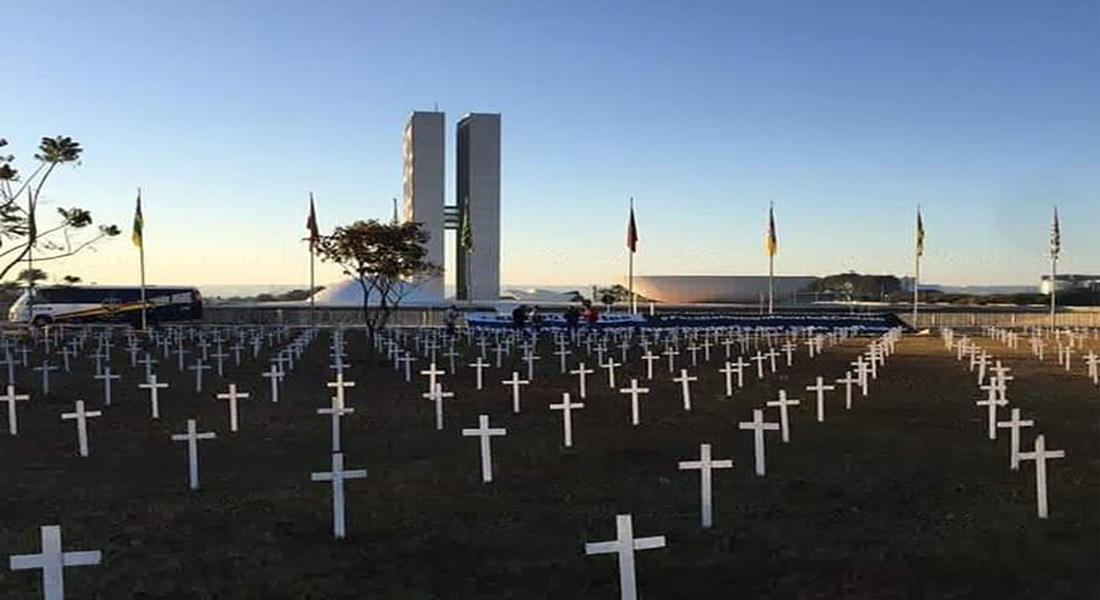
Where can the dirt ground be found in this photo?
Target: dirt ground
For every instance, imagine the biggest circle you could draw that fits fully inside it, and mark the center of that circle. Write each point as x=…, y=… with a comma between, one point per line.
x=901, y=497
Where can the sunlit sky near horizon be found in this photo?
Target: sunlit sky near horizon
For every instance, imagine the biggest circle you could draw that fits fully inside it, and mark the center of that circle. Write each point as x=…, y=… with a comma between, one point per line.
x=845, y=114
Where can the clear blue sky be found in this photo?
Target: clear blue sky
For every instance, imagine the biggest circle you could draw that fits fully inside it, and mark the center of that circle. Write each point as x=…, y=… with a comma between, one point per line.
x=846, y=114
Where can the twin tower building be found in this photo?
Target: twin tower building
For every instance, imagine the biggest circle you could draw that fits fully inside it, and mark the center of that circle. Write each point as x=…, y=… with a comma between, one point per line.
x=477, y=198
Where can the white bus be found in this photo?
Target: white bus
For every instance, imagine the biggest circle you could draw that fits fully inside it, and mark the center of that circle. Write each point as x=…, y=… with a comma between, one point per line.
x=105, y=304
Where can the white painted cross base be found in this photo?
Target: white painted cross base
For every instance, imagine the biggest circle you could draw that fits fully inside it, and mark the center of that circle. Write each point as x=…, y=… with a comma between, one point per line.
x=52, y=560
x=624, y=546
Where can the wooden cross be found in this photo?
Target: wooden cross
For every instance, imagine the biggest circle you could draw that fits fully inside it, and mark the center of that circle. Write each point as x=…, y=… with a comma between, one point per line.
x=582, y=376
x=784, y=419
x=610, y=366
x=484, y=432
x=337, y=410
x=81, y=417
x=759, y=360
x=567, y=407
x=634, y=391
x=52, y=560
x=232, y=396
x=649, y=359
x=759, y=427
x=337, y=476
x=339, y=386
x=432, y=373
x=1014, y=425
x=192, y=438
x=624, y=546
x=1041, y=455
x=819, y=388
x=848, y=380
x=992, y=402
x=11, y=398
x=705, y=465
x=685, y=387
x=154, y=398
x=515, y=382
x=274, y=375
x=479, y=366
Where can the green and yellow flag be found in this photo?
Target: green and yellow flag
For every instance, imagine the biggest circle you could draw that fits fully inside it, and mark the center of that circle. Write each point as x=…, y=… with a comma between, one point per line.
x=139, y=223
x=466, y=233
x=771, y=244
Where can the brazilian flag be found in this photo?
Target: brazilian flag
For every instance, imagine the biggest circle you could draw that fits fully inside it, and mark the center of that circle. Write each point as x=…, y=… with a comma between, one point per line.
x=139, y=223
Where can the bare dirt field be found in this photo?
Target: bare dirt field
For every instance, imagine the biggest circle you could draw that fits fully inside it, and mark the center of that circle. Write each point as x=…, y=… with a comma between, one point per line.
x=903, y=496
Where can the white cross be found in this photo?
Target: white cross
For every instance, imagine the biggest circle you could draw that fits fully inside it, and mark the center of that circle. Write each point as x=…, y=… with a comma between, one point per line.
x=624, y=546
x=1013, y=425
x=432, y=372
x=685, y=387
x=992, y=402
x=862, y=372
x=515, y=382
x=274, y=374
x=407, y=360
x=530, y=358
x=759, y=360
x=772, y=355
x=819, y=388
x=567, y=407
x=192, y=438
x=582, y=376
x=788, y=349
x=848, y=380
x=52, y=560
x=154, y=394
x=728, y=371
x=649, y=359
x=198, y=368
x=339, y=385
x=561, y=353
x=107, y=377
x=11, y=398
x=671, y=353
x=233, y=395
x=479, y=365
x=81, y=417
x=1093, y=361
x=45, y=369
x=634, y=390
x=437, y=395
x=705, y=464
x=1041, y=455
x=759, y=427
x=784, y=420
x=485, y=433
x=337, y=410
x=610, y=365
x=337, y=476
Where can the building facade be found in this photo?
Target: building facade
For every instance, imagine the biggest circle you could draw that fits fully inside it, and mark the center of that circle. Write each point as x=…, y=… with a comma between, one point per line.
x=477, y=191
x=423, y=151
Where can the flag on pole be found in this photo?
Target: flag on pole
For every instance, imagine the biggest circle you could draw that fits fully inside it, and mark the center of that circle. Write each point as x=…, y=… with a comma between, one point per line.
x=771, y=244
x=1055, y=237
x=139, y=224
x=466, y=234
x=920, y=234
x=311, y=225
x=632, y=231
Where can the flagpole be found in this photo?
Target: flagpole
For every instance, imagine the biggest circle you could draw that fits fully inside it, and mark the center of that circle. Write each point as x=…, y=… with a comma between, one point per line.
x=141, y=264
x=771, y=283
x=916, y=269
x=1053, y=289
x=312, y=287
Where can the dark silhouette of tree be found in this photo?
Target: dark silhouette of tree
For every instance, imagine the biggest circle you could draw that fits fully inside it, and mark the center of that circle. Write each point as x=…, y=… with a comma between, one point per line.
x=387, y=259
x=20, y=234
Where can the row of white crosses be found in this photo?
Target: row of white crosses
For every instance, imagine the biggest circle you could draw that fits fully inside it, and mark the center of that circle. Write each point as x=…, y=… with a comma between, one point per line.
x=1074, y=340
x=997, y=396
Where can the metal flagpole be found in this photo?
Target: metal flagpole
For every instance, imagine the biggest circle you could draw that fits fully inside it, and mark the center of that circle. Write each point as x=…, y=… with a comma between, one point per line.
x=771, y=283
x=1053, y=289
x=141, y=263
x=916, y=288
x=632, y=233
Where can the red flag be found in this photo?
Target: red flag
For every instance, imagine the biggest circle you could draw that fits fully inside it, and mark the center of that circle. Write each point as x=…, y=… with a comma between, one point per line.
x=632, y=232
x=311, y=225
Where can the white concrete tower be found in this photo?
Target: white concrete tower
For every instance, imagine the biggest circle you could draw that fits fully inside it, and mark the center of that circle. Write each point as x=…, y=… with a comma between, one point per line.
x=423, y=150
x=478, y=195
